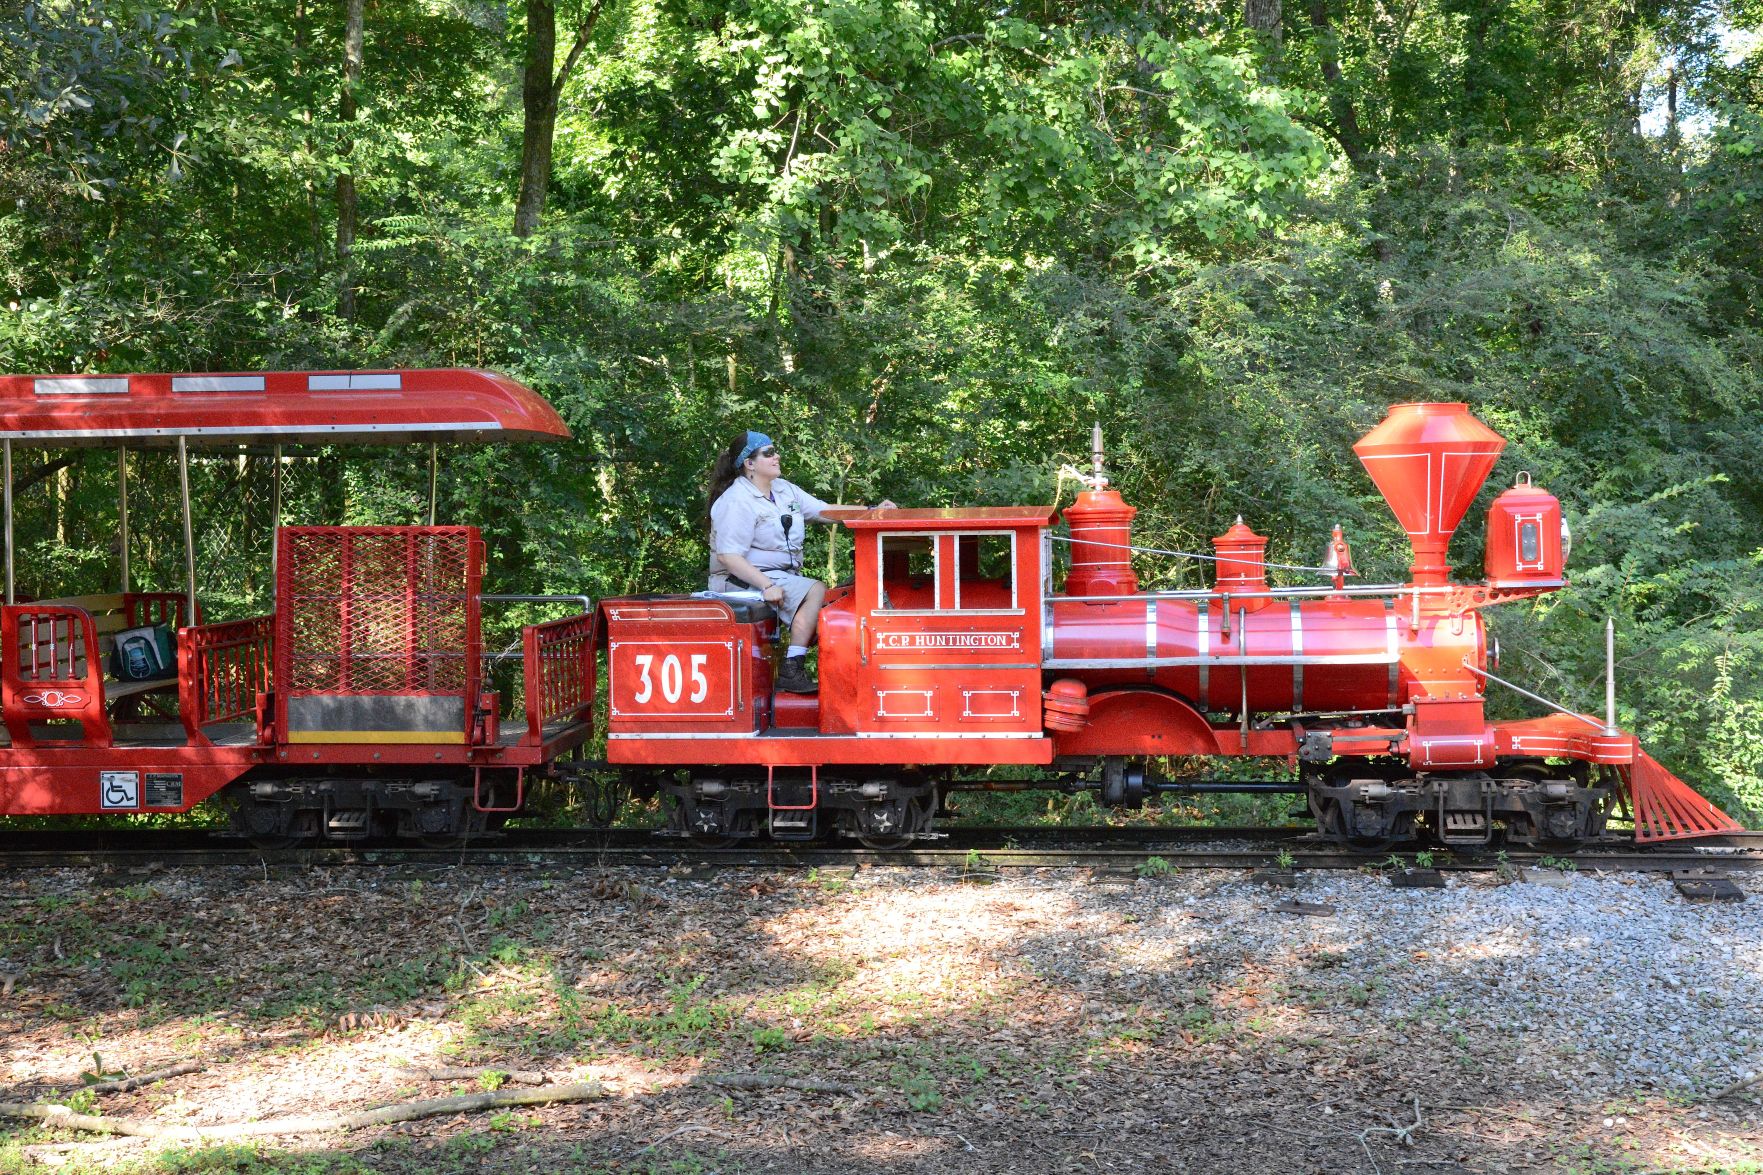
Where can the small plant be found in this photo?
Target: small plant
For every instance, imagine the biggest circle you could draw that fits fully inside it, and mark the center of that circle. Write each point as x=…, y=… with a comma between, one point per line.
x=770, y=1040
x=922, y=1093
x=1394, y=861
x=492, y=1080
x=1285, y=860
x=81, y=1101
x=1154, y=867
x=1503, y=867
x=1423, y=859
x=1560, y=864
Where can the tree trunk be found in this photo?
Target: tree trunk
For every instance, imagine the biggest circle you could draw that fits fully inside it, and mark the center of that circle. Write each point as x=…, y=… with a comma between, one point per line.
x=353, y=37
x=1340, y=104
x=538, y=100
x=540, y=95
x=1265, y=18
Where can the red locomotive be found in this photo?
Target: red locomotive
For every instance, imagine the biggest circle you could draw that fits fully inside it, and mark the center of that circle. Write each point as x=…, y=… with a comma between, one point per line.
x=362, y=703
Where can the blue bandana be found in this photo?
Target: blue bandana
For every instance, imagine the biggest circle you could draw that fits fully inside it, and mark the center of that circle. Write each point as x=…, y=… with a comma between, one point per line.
x=755, y=442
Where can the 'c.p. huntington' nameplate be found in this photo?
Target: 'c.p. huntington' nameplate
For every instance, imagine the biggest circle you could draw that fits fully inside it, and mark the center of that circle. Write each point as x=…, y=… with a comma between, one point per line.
x=927, y=641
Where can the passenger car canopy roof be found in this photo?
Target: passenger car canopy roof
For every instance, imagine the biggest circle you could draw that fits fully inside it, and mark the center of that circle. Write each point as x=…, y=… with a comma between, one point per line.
x=214, y=409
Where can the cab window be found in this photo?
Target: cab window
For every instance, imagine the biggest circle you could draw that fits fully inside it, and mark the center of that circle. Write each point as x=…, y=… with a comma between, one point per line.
x=913, y=577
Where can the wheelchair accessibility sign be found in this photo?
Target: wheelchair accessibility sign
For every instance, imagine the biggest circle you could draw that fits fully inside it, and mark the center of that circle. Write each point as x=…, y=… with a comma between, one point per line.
x=119, y=789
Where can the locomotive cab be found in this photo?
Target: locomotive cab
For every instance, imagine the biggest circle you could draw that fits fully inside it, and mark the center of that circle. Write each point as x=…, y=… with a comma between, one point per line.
x=940, y=633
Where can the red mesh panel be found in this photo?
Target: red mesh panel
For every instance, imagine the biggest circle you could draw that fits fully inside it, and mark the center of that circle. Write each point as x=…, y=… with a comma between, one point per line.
x=378, y=611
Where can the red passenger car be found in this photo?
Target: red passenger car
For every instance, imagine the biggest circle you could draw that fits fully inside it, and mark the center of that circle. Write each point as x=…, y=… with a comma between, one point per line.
x=359, y=704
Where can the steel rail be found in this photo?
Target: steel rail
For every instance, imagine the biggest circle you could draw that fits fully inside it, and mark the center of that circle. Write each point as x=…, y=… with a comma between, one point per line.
x=963, y=851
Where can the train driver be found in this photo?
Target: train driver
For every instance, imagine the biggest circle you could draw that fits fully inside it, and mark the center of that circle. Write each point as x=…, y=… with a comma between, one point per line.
x=757, y=521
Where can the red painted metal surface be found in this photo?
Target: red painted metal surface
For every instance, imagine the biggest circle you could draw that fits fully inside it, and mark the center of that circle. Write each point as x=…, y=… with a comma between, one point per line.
x=559, y=664
x=1429, y=460
x=50, y=672
x=1524, y=544
x=224, y=670
x=683, y=666
x=1666, y=808
x=1100, y=522
x=1242, y=564
x=274, y=407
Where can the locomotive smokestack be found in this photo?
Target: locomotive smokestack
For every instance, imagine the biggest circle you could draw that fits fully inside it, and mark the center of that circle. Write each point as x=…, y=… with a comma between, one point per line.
x=1430, y=460
x=1099, y=480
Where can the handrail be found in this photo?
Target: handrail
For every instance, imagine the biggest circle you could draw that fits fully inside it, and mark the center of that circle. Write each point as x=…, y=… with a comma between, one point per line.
x=587, y=602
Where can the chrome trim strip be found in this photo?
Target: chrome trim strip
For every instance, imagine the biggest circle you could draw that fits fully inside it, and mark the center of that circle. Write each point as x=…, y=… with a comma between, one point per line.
x=1046, y=629
x=683, y=737
x=1204, y=643
x=217, y=383
x=1161, y=662
x=1392, y=643
x=52, y=385
x=290, y=432
x=944, y=734
x=961, y=665
x=1297, y=655
x=1386, y=590
x=1151, y=634
x=391, y=381
x=961, y=613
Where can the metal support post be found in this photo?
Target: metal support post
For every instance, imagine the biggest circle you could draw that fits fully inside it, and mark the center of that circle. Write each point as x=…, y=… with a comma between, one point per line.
x=189, y=533
x=122, y=513
x=11, y=594
x=1609, y=675
x=434, y=478
x=275, y=520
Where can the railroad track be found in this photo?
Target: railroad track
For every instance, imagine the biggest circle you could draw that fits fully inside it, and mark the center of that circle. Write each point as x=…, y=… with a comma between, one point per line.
x=1127, y=850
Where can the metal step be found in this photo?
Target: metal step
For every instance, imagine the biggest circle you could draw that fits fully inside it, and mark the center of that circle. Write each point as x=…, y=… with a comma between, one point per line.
x=349, y=824
x=1464, y=828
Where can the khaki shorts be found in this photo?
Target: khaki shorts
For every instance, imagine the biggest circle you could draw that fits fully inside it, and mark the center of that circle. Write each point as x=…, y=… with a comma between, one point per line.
x=796, y=589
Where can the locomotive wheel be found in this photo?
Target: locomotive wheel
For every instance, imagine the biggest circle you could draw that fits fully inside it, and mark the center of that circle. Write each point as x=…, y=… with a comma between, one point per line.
x=917, y=819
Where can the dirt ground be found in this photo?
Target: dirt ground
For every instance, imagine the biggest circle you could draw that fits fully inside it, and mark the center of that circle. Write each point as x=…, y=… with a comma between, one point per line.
x=1052, y=1021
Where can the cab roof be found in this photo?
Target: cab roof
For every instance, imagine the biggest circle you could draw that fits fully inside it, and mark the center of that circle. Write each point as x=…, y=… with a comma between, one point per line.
x=227, y=409
x=965, y=518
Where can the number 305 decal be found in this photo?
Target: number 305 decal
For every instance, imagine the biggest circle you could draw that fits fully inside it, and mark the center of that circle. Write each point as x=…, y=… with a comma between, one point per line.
x=673, y=678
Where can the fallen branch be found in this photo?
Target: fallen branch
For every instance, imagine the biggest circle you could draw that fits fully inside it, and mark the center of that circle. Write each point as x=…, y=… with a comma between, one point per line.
x=124, y=1084
x=310, y=1124
x=768, y=1081
x=1404, y=1135
x=443, y=1073
x=1741, y=1084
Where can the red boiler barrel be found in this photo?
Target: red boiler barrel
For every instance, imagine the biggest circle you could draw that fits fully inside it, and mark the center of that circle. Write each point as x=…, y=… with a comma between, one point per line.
x=1291, y=656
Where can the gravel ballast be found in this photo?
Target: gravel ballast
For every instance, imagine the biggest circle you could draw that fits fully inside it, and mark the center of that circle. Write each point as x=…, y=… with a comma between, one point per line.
x=1044, y=1020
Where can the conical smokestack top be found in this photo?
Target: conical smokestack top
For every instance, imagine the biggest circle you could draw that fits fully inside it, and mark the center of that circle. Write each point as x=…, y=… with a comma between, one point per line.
x=1430, y=461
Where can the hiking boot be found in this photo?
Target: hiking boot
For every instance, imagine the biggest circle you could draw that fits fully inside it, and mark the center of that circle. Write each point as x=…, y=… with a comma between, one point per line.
x=794, y=678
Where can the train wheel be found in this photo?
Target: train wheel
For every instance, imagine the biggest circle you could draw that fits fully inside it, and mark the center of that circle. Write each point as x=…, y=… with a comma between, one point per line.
x=893, y=826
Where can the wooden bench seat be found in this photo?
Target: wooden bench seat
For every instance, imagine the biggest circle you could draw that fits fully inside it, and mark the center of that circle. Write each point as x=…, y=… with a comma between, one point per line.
x=110, y=615
x=114, y=690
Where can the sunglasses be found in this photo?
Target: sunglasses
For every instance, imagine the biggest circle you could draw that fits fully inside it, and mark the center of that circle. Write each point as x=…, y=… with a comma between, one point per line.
x=767, y=451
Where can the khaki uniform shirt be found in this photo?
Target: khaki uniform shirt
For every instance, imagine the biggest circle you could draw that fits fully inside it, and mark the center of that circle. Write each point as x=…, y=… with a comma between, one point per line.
x=746, y=522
